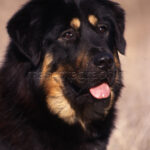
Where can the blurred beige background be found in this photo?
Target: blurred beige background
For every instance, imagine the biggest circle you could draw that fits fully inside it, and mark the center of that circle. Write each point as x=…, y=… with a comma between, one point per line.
x=133, y=124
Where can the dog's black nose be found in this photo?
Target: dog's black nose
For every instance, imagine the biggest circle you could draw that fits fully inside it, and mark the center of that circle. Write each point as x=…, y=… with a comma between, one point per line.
x=104, y=61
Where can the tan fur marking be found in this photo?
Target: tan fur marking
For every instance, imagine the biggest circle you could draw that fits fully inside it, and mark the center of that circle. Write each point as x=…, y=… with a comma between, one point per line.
x=117, y=63
x=116, y=59
x=82, y=124
x=93, y=20
x=47, y=60
x=111, y=103
x=56, y=101
x=75, y=23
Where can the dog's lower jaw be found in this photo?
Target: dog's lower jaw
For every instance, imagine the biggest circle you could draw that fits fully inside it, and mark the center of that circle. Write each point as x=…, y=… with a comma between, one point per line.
x=96, y=136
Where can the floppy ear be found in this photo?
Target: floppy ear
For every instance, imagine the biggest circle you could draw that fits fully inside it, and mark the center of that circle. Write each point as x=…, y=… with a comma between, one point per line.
x=119, y=14
x=21, y=29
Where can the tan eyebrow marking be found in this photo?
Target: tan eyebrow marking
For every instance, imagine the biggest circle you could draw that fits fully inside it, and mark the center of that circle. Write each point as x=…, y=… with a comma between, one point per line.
x=75, y=23
x=93, y=19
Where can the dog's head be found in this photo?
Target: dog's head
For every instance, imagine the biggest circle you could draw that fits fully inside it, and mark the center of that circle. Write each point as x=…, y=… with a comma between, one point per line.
x=74, y=45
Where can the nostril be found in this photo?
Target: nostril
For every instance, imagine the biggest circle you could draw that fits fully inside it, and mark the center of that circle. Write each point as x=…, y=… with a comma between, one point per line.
x=103, y=61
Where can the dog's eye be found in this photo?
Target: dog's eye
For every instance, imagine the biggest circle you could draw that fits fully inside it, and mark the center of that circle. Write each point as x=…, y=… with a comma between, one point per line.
x=103, y=28
x=68, y=35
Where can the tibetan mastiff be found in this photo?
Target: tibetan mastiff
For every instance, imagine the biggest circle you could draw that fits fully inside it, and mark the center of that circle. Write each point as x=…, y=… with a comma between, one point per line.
x=61, y=77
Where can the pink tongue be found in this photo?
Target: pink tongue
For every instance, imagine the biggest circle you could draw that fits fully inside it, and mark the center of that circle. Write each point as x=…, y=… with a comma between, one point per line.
x=100, y=92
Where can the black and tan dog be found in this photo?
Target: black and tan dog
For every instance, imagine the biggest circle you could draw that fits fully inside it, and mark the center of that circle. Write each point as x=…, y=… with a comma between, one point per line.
x=61, y=76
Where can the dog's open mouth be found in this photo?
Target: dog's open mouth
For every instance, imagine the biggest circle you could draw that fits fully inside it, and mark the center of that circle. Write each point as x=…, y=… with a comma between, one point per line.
x=99, y=91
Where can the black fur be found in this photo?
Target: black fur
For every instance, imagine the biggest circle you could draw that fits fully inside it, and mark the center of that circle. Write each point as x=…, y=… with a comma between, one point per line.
x=38, y=29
